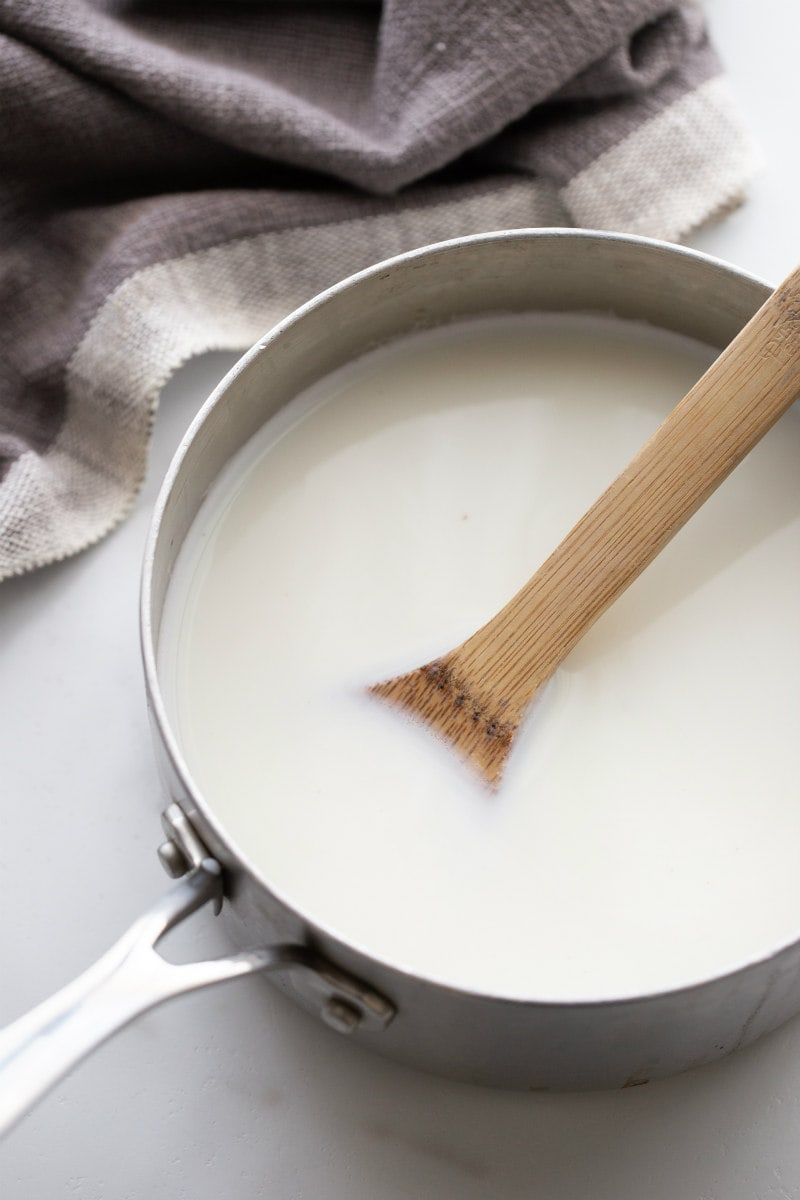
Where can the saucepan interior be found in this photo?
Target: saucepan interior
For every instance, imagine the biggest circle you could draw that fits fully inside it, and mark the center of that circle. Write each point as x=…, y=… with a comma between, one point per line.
x=477, y=1035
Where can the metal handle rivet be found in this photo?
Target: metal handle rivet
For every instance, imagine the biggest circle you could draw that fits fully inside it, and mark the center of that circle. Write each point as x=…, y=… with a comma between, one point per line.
x=172, y=859
x=341, y=1016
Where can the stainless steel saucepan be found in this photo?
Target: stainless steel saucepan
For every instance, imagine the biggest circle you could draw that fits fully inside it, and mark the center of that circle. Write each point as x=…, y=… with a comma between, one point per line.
x=487, y=1037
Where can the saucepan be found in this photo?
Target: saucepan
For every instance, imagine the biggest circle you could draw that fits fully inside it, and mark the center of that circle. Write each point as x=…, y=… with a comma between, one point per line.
x=484, y=1037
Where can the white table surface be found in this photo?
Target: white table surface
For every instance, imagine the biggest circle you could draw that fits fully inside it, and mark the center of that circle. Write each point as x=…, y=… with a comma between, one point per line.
x=233, y=1092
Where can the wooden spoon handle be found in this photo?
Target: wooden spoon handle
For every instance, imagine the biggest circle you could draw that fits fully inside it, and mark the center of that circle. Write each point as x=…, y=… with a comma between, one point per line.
x=734, y=404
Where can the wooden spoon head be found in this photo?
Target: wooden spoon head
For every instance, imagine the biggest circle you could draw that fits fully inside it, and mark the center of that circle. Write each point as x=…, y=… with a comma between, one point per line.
x=439, y=697
x=474, y=697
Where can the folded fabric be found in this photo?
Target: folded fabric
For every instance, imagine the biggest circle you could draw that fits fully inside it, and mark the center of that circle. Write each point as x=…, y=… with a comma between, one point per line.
x=174, y=179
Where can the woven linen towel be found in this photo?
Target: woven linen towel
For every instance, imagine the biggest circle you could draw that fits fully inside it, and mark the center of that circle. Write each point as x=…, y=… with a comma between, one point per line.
x=175, y=178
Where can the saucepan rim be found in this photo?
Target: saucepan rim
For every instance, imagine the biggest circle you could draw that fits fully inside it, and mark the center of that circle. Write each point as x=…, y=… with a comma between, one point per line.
x=169, y=739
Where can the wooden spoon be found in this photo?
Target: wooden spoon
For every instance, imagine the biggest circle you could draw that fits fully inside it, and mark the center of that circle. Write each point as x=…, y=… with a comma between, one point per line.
x=475, y=696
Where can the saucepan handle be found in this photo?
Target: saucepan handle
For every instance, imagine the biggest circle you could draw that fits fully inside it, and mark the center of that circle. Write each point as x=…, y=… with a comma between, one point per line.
x=132, y=977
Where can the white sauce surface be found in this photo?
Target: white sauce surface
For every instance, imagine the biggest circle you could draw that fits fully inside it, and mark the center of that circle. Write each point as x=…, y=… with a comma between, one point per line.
x=647, y=830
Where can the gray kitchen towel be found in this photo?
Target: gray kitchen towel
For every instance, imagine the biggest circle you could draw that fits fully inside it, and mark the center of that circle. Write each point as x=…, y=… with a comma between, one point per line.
x=176, y=177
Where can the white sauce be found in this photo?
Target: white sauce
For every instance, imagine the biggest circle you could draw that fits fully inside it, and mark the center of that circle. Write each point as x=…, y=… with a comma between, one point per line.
x=647, y=830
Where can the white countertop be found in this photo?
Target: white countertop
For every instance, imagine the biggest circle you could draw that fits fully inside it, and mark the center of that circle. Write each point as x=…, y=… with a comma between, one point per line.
x=233, y=1092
